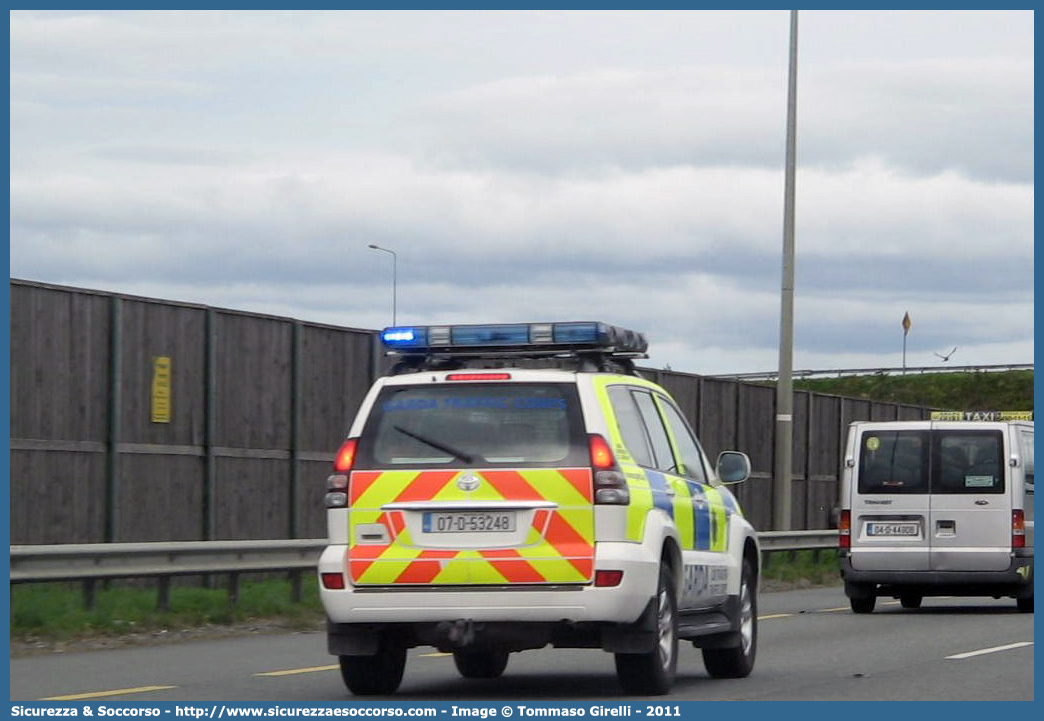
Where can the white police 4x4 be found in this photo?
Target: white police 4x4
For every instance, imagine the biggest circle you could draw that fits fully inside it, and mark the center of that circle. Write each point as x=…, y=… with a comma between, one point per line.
x=486, y=510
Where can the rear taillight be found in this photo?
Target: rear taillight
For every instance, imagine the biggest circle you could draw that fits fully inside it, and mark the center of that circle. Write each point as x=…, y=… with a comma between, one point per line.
x=1018, y=528
x=610, y=485
x=337, y=483
x=337, y=490
x=346, y=456
x=844, y=530
x=333, y=581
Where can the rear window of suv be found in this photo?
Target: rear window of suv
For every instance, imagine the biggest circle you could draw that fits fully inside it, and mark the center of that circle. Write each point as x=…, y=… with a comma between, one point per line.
x=463, y=425
x=895, y=462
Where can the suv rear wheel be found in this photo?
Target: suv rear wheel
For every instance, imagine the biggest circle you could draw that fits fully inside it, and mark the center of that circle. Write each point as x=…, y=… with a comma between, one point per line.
x=911, y=600
x=738, y=661
x=480, y=664
x=652, y=673
x=377, y=674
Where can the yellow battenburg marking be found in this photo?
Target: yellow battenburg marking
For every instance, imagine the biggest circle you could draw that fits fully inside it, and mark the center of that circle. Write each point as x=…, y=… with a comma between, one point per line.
x=683, y=518
x=641, y=503
x=720, y=519
x=103, y=694
x=295, y=671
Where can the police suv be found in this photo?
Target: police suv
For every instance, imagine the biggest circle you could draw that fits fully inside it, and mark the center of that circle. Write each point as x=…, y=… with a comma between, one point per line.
x=940, y=507
x=485, y=503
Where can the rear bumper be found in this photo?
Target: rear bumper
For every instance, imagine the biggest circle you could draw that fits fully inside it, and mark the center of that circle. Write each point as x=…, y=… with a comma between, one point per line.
x=575, y=603
x=1016, y=581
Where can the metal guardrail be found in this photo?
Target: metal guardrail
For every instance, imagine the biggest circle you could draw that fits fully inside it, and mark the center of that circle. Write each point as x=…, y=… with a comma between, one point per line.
x=841, y=372
x=93, y=562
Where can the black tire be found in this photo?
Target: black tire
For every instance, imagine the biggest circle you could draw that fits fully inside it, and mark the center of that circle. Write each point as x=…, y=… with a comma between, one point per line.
x=1025, y=604
x=863, y=604
x=652, y=673
x=738, y=661
x=911, y=600
x=480, y=664
x=379, y=674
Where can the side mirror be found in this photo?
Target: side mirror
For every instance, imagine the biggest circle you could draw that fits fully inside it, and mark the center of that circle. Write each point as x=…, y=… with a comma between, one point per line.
x=733, y=467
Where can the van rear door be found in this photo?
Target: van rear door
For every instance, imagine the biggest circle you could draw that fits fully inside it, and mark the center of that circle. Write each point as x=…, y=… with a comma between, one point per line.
x=890, y=500
x=970, y=508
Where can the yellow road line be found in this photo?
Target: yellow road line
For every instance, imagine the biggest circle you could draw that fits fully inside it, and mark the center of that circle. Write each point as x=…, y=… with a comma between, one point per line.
x=102, y=694
x=774, y=615
x=437, y=654
x=293, y=671
x=832, y=610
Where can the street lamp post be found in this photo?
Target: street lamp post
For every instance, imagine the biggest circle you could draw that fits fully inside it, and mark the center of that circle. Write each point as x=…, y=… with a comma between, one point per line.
x=395, y=273
x=781, y=514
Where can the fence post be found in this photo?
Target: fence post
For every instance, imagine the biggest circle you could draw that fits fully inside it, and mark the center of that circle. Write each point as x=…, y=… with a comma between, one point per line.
x=112, y=485
x=163, y=594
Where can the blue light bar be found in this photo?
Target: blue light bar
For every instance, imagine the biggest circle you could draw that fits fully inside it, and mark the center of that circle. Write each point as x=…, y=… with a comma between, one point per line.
x=514, y=338
x=580, y=333
x=405, y=337
x=490, y=335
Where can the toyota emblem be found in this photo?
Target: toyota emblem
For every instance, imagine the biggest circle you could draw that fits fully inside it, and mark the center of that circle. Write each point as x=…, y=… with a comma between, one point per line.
x=468, y=482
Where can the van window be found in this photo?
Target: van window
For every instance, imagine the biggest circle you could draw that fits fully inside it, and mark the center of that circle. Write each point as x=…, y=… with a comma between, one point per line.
x=969, y=462
x=945, y=462
x=475, y=424
x=1027, y=454
x=894, y=462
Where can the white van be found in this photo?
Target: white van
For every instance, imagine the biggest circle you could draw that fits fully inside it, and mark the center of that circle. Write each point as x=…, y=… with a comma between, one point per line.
x=941, y=507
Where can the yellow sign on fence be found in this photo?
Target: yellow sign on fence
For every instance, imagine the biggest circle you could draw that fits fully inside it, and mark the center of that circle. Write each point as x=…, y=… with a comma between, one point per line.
x=161, y=389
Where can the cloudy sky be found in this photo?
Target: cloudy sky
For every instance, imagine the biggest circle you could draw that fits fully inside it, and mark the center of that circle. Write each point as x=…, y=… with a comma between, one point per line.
x=623, y=166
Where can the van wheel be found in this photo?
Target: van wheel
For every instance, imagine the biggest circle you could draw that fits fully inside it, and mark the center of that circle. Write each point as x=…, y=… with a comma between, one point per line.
x=738, y=661
x=377, y=674
x=1025, y=604
x=863, y=604
x=480, y=664
x=911, y=600
x=652, y=673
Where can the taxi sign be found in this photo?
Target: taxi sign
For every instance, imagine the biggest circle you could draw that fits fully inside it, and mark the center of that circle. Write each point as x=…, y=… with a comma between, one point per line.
x=982, y=415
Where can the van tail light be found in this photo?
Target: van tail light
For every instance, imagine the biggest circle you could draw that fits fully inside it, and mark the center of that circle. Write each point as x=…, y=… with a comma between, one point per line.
x=610, y=485
x=1018, y=528
x=844, y=530
x=337, y=482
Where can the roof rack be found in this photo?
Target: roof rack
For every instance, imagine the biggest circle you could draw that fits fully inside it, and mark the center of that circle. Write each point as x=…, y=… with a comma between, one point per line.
x=580, y=345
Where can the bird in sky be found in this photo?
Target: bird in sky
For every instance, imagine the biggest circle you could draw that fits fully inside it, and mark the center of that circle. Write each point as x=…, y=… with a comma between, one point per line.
x=946, y=357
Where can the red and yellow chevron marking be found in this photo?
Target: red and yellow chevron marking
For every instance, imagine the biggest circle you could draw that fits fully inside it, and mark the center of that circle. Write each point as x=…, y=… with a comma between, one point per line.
x=557, y=547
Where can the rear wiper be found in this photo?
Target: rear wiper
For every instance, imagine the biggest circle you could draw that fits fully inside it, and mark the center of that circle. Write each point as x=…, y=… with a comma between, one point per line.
x=459, y=455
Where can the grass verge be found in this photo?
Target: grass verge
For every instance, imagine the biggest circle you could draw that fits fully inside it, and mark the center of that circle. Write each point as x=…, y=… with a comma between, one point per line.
x=56, y=610
x=804, y=569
